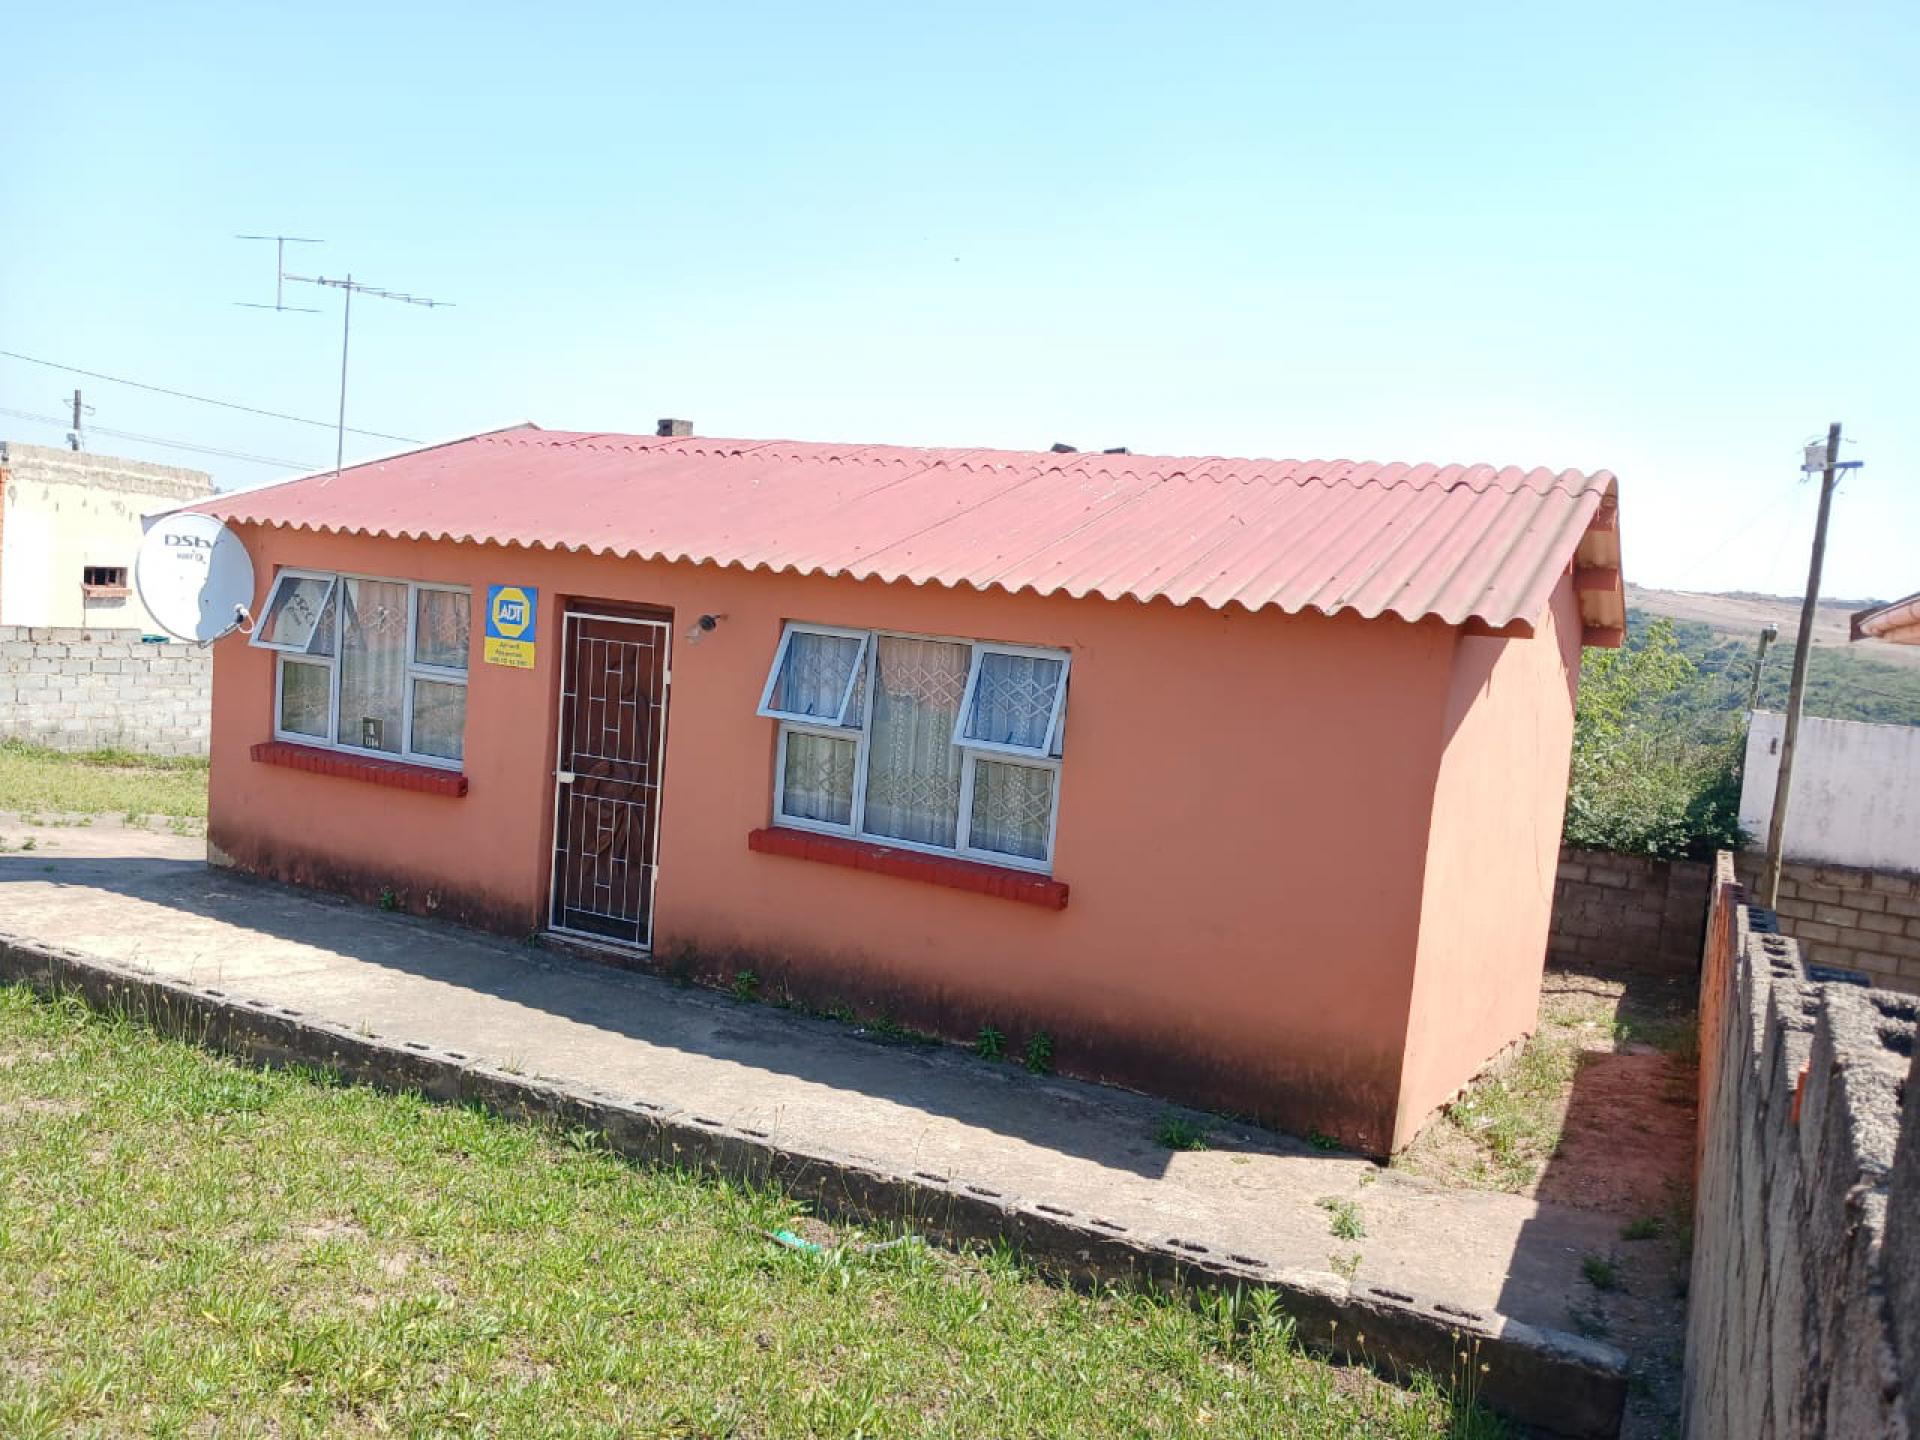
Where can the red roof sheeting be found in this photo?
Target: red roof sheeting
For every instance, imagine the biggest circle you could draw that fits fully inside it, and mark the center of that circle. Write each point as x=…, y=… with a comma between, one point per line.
x=1463, y=543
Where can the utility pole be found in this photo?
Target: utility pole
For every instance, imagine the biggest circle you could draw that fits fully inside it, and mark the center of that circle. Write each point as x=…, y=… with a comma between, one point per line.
x=1768, y=634
x=1797, y=689
x=73, y=438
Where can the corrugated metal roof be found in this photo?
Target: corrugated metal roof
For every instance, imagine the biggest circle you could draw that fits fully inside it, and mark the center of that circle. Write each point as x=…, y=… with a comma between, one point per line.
x=1466, y=543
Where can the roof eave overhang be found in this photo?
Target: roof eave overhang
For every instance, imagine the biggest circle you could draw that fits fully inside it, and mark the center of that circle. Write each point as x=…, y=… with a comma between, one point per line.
x=1597, y=582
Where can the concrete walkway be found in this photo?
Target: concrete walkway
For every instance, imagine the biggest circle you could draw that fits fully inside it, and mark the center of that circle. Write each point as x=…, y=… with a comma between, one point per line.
x=1252, y=1203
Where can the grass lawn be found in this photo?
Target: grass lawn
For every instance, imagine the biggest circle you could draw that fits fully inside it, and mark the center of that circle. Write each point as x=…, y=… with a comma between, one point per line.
x=35, y=781
x=192, y=1247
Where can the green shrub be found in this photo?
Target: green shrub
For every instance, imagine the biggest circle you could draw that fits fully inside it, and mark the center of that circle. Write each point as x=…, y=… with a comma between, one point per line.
x=1651, y=776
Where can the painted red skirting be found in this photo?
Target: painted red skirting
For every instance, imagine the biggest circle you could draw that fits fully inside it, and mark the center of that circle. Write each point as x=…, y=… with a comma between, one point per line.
x=423, y=778
x=912, y=865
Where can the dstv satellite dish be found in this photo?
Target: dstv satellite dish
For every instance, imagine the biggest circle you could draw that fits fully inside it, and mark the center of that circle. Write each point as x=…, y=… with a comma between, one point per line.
x=194, y=577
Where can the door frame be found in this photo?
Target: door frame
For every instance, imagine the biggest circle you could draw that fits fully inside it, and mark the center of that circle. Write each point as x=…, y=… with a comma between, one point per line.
x=613, y=612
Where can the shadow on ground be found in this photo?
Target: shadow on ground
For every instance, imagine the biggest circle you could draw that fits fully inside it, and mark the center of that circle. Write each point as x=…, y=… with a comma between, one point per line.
x=1626, y=1150
x=1056, y=1116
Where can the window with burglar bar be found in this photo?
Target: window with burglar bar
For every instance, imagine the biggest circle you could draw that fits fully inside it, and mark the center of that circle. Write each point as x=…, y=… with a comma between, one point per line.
x=951, y=746
x=369, y=665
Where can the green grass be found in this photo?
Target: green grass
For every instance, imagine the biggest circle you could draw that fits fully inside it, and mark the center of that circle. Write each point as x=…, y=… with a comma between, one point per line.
x=1601, y=1271
x=1180, y=1132
x=34, y=779
x=1516, y=1113
x=1343, y=1218
x=189, y=1247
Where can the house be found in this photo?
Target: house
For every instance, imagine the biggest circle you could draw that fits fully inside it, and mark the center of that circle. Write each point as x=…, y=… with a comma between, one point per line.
x=70, y=525
x=1239, y=781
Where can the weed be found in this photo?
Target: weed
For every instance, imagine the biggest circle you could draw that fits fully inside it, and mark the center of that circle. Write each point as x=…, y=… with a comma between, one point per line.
x=534, y=939
x=1320, y=1140
x=137, y=819
x=1040, y=1053
x=1180, y=1132
x=745, y=986
x=990, y=1044
x=1347, y=1265
x=389, y=900
x=1346, y=1223
x=1646, y=1227
x=1515, y=1113
x=885, y=1027
x=1601, y=1271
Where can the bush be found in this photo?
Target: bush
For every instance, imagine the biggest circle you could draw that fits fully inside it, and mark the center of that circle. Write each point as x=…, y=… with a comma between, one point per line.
x=1650, y=776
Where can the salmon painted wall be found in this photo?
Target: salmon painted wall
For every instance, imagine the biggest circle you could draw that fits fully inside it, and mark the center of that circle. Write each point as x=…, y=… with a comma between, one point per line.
x=1487, y=897
x=1244, y=811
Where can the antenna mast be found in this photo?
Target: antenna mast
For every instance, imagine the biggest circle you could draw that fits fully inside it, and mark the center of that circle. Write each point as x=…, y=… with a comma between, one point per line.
x=348, y=288
x=280, y=243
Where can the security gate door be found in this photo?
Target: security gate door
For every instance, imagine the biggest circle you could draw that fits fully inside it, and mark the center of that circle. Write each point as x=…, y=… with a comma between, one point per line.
x=606, y=807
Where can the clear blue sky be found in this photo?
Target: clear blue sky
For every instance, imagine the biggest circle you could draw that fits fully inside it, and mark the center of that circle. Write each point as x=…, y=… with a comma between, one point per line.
x=1671, y=240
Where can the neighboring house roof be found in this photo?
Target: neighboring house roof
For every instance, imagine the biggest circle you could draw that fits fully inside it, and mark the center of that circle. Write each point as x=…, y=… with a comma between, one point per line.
x=1470, y=544
x=1897, y=620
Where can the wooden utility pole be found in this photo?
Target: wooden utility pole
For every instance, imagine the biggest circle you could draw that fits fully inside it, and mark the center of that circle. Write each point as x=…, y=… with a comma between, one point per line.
x=1797, y=690
x=74, y=439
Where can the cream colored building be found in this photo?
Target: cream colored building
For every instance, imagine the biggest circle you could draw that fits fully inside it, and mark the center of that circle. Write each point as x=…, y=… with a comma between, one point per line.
x=70, y=528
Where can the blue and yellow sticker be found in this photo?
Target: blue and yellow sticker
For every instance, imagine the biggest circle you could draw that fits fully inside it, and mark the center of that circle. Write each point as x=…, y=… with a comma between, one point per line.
x=511, y=610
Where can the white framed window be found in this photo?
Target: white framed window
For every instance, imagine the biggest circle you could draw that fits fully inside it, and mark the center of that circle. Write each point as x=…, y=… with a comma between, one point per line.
x=913, y=747
x=1014, y=699
x=369, y=665
x=814, y=673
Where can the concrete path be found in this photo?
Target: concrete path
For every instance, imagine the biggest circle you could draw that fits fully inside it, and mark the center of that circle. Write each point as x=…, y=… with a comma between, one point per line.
x=812, y=1088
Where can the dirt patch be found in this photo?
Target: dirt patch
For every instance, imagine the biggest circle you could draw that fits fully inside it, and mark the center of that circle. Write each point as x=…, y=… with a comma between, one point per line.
x=1597, y=1112
x=1626, y=1136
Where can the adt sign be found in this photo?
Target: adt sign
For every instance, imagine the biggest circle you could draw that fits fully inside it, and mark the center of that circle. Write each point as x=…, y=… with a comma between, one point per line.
x=511, y=613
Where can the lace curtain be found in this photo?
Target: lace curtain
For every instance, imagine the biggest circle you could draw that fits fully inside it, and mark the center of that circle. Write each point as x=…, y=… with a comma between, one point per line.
x=815, y=674
x=818, y=778
x=1012, y=805
x=1013, y=703
x=913, y=769
x=373, y=663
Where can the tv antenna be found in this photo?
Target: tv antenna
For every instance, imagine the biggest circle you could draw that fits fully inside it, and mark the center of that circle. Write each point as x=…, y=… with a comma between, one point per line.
x=280, y=243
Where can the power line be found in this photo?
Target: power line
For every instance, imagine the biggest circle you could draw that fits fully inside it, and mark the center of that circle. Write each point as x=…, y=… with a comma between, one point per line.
x=202, y=399
x=165, y=443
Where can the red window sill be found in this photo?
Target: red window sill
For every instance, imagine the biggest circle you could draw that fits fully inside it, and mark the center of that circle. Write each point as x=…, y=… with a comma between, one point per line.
x=423, y=778
x=912, y=865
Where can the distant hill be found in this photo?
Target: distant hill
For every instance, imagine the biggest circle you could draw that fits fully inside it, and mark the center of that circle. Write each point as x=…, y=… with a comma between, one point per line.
x=1863, y=680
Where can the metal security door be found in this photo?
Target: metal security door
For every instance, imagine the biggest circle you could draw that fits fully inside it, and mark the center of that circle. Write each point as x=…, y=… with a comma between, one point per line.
x=606, y=807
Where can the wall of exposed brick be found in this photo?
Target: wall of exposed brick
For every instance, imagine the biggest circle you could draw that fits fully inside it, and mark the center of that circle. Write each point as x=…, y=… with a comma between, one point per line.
x=1628, y=912
x=1804, y=1303
x=1867, y=920
x=80, y=689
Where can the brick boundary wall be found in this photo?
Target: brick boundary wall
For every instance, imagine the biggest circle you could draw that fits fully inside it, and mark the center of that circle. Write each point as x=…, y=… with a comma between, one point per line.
x=80, y=689
x=1626, y=912
x=1867, y=920
x=1803, y=1314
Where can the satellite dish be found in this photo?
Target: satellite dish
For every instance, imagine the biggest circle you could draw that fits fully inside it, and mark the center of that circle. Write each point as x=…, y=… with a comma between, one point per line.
x=194, y=577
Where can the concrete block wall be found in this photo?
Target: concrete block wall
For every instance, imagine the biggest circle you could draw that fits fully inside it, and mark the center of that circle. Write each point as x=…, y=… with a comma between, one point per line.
x=82, y=689
x=1804, y=1305
x=1866, y=920
x=1628, y=912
